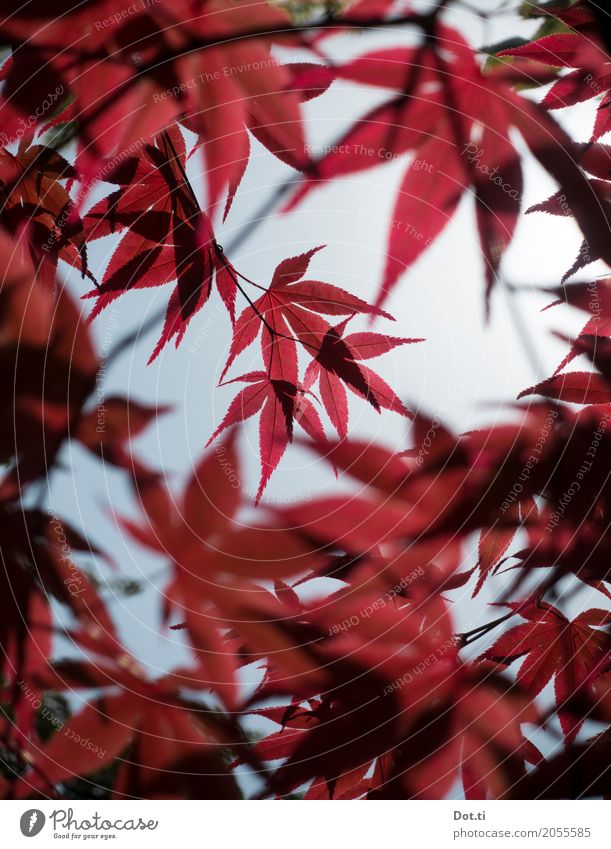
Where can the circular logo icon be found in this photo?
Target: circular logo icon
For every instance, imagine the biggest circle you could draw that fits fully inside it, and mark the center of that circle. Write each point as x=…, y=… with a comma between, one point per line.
x=32, y=822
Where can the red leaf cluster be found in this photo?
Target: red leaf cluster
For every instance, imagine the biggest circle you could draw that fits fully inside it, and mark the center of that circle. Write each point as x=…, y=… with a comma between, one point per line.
x=336, y=623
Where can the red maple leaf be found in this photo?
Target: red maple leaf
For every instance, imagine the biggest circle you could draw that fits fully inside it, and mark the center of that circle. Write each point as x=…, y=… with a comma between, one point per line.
x=213, y=555
x=570, y=651
x=280, y=403
x=338, y=363
x=168, y=237
x=35, y=199
x=290, y=312
x=136, y=74
x=437, y=85
x=590, y=78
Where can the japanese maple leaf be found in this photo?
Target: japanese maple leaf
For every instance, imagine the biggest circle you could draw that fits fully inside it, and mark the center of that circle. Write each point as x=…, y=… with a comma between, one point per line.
x=557, y=205
x=174, y=745
x=358, y=718
x=164, y=61
x=438, y=97
x=290, y=312
x=339, y=363
x=590, y=77
x=570, y=651
x=281, y=403
x=575, y=387
x=151, y=180
x=34, y=198
x=109, y=428
x=212, y=554
x=494, y=541
x=459, y=483
x=168, y=237
x=585, y=199
x=199, y=533
x=584, y=554
x=476, y=734
x=43, y=542
x=434, y=716
x=25, y=630
x=48, y=350
x=594, y=298
x=579, y=771
x=225, y=110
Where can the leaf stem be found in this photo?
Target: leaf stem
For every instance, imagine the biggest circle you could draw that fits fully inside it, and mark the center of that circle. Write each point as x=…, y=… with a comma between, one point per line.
x=470, y=636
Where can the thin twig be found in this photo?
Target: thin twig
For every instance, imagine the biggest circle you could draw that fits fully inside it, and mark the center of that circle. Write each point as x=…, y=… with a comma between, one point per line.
x=470, y=636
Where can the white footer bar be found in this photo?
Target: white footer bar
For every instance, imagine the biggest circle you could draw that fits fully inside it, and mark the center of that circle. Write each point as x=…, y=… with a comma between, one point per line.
x=291, y=825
